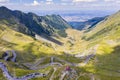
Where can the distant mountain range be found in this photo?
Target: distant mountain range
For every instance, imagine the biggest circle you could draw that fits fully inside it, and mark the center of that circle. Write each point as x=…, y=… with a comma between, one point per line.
x=86, y=24
x=32, y=24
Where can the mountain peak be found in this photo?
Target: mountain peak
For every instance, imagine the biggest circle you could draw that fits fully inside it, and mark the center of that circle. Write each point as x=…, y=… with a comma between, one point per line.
x=3, y=8
x=31, y=23
x=5, y=13
x=32, y=14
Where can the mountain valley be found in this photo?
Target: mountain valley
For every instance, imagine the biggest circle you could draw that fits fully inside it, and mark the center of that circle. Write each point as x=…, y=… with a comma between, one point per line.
x=36, y=47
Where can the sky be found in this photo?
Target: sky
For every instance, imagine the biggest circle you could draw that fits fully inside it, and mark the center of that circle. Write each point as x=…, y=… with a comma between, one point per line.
x=61, y=5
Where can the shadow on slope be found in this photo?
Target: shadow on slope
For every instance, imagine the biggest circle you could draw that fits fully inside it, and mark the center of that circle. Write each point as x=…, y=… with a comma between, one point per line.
x=51, y=39
x=107, y=66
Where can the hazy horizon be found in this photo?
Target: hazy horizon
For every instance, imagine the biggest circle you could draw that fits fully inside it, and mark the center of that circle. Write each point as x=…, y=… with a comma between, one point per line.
x=77, y=9
x=62, y=5
x=73, y=16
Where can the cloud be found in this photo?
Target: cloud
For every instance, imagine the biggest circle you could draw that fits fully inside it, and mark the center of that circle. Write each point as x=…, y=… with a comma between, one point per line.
x=35, y=3
x=84, y=0
x=113, y=1
x=49, y=2
x=64, y=4
x=66, y=0
x=118, y=2
x=4, y=1
x=108, y=0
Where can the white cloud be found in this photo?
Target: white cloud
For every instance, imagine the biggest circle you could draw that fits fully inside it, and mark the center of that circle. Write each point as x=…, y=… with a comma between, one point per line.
x=4, y=1
x=113, y=1
x=35, y=3
x=108, y=0
x=118, y=2
x=84, y=0
x=66, y=0
x=49, y=2
x=64, y=4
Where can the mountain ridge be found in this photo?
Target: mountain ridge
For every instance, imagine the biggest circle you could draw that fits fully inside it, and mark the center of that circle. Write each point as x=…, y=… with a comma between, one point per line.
x=87, y=24
x=31, y=24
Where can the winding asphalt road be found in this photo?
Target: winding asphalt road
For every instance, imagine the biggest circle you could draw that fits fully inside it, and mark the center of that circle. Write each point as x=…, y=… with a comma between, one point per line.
x=33, y=75
x=26, y=77
x=46, y=65
x=7, y=55
x=36, y=67
x=14, y=56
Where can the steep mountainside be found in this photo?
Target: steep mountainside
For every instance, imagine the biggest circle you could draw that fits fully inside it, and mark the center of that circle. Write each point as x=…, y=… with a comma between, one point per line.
x=108, y=28
x=87, y=24
x=106, y=35
x=32, y=24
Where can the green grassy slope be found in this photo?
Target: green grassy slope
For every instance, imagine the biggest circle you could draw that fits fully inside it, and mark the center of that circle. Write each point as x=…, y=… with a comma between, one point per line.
x=31, y=24
x=27, y=48
x=10, y=39
x=28, y=51
x=110, y=28
x=106, y=34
